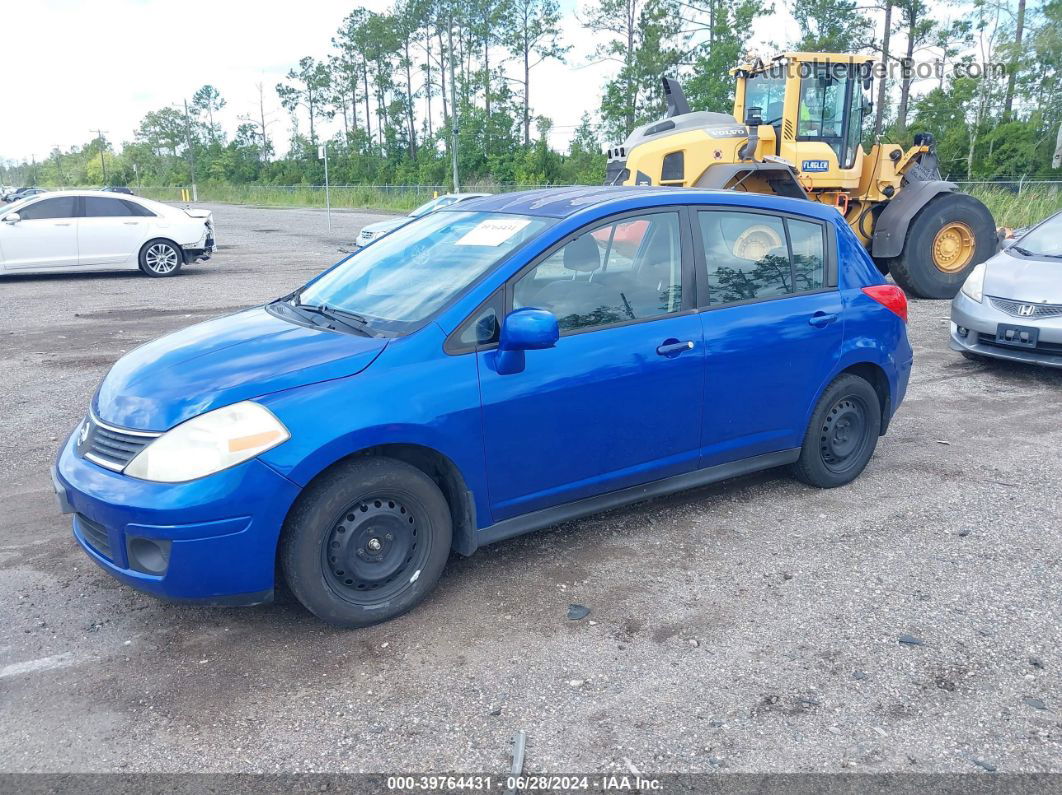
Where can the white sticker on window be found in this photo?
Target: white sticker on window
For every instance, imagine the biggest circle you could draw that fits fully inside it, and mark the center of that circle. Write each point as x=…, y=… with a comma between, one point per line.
x=493, y=232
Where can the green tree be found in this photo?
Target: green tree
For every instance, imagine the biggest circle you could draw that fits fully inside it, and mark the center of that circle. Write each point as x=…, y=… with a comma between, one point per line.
x=645, y=39
x=533, y=37
x=723, y=28
x=310, y=85
x=208, y=100
x=831, y=26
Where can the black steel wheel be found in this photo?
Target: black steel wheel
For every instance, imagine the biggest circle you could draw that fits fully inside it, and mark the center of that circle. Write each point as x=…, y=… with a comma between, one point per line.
x=366, y=541
x=372, y=544
x=842, y=434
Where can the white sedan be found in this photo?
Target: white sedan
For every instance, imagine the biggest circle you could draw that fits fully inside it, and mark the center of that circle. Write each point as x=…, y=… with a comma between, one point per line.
x=381, y=228
x=75, y=231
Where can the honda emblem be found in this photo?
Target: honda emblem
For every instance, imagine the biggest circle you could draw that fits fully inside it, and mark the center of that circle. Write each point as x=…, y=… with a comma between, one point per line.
x=1026, y=310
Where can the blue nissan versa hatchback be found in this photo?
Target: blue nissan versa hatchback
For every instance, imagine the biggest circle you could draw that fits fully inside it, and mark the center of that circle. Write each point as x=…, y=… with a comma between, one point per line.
x=482, y=372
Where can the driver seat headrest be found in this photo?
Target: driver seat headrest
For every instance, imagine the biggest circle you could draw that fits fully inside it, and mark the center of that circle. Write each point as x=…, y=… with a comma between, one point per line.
x=582, y=254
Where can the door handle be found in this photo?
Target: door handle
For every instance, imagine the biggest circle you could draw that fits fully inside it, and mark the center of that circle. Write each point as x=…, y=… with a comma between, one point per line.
x=822, y=319
x=66, y=224
x=131, y=223
x=672, y=348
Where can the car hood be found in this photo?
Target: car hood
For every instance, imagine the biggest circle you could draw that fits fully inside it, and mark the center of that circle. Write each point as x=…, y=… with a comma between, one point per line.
x=389, y=225
x=223, y=361
x=1027, y=279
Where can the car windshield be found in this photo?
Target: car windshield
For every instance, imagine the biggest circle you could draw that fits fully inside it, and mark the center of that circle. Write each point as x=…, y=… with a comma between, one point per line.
x=433, y=205
x=1043, y=241
x=404, y=277
x=15, y=206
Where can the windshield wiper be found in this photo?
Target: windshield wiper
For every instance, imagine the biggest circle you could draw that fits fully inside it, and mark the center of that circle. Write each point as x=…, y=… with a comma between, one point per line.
x=350, y=320
x=1023, y=251
x=346, y=313
x=347, y=319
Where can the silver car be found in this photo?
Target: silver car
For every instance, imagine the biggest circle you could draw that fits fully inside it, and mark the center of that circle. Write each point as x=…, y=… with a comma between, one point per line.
x=1010, y=307
x=375, y=231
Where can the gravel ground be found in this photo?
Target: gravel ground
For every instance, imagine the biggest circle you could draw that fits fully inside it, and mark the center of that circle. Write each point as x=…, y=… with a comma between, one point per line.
x=907, y=622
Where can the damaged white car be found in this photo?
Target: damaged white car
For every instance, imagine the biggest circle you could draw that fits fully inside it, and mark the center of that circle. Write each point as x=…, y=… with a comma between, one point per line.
x=74, y=231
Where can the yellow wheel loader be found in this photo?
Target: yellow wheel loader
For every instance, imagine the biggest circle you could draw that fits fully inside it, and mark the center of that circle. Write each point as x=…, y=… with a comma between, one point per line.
x=800, y=135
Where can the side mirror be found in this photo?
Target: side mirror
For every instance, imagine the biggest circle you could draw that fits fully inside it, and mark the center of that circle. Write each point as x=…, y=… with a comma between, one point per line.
x=526, y=329
x=12, y=218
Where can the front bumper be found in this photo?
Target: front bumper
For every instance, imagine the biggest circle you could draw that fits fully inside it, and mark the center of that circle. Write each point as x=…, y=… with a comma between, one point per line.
x=981, y=321
x=219, y=533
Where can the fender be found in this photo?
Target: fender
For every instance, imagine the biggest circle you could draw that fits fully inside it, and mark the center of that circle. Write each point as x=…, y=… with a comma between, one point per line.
x=890, y=231
x=780, y=177
x=862, y=351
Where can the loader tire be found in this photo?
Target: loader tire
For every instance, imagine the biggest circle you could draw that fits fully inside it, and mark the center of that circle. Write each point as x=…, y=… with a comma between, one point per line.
x=948, y=237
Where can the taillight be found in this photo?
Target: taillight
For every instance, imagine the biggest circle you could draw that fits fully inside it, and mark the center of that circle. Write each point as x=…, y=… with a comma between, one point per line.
x=891, y=297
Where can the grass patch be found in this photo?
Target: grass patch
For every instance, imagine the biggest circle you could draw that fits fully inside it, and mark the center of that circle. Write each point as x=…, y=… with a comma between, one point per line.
x=1012, y=209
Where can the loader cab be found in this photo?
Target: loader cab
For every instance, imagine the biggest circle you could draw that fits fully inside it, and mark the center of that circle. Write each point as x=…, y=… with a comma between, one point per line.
x=816, y=106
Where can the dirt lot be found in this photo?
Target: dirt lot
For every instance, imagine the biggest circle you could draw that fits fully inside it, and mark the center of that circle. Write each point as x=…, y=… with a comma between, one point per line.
x=755, y=625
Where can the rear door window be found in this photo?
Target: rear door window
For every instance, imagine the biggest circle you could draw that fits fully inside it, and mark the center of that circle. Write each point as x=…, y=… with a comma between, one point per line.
x=95, y=207
x=755, y=256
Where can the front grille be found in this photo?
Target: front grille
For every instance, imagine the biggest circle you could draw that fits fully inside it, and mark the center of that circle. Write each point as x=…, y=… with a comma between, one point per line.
x=1050, y=348
x=95, y=534
x=1015, y=308
x=109, y=446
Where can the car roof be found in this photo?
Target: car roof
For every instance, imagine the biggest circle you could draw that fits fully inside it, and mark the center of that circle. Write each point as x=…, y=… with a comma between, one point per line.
x=564, y=202
x=101, y=193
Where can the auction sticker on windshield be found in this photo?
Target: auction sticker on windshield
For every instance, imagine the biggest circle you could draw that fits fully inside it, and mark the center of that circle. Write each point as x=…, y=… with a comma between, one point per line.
x=493, y=232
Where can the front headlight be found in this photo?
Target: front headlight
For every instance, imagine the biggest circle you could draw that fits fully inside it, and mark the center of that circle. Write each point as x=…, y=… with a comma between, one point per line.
x=209, y=443
x=974, y=286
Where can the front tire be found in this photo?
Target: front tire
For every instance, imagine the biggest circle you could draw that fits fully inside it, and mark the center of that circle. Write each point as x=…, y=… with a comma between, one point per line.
x=842, y=434
x=366, y=541
x=159, y=258
x=948, y=237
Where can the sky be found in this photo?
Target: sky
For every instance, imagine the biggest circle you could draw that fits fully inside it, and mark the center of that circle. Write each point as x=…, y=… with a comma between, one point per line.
x=93, y=64
x=83, y=65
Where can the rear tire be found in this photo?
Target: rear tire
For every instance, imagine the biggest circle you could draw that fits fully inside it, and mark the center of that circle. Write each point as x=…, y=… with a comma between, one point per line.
x=160, y=258
x=842, y=434
x=923, y=269
x=366, y=541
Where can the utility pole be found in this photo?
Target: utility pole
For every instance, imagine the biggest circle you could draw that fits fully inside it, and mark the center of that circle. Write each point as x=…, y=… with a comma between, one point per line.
x=103, y=163
x=453, y=111
x=191, y=149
